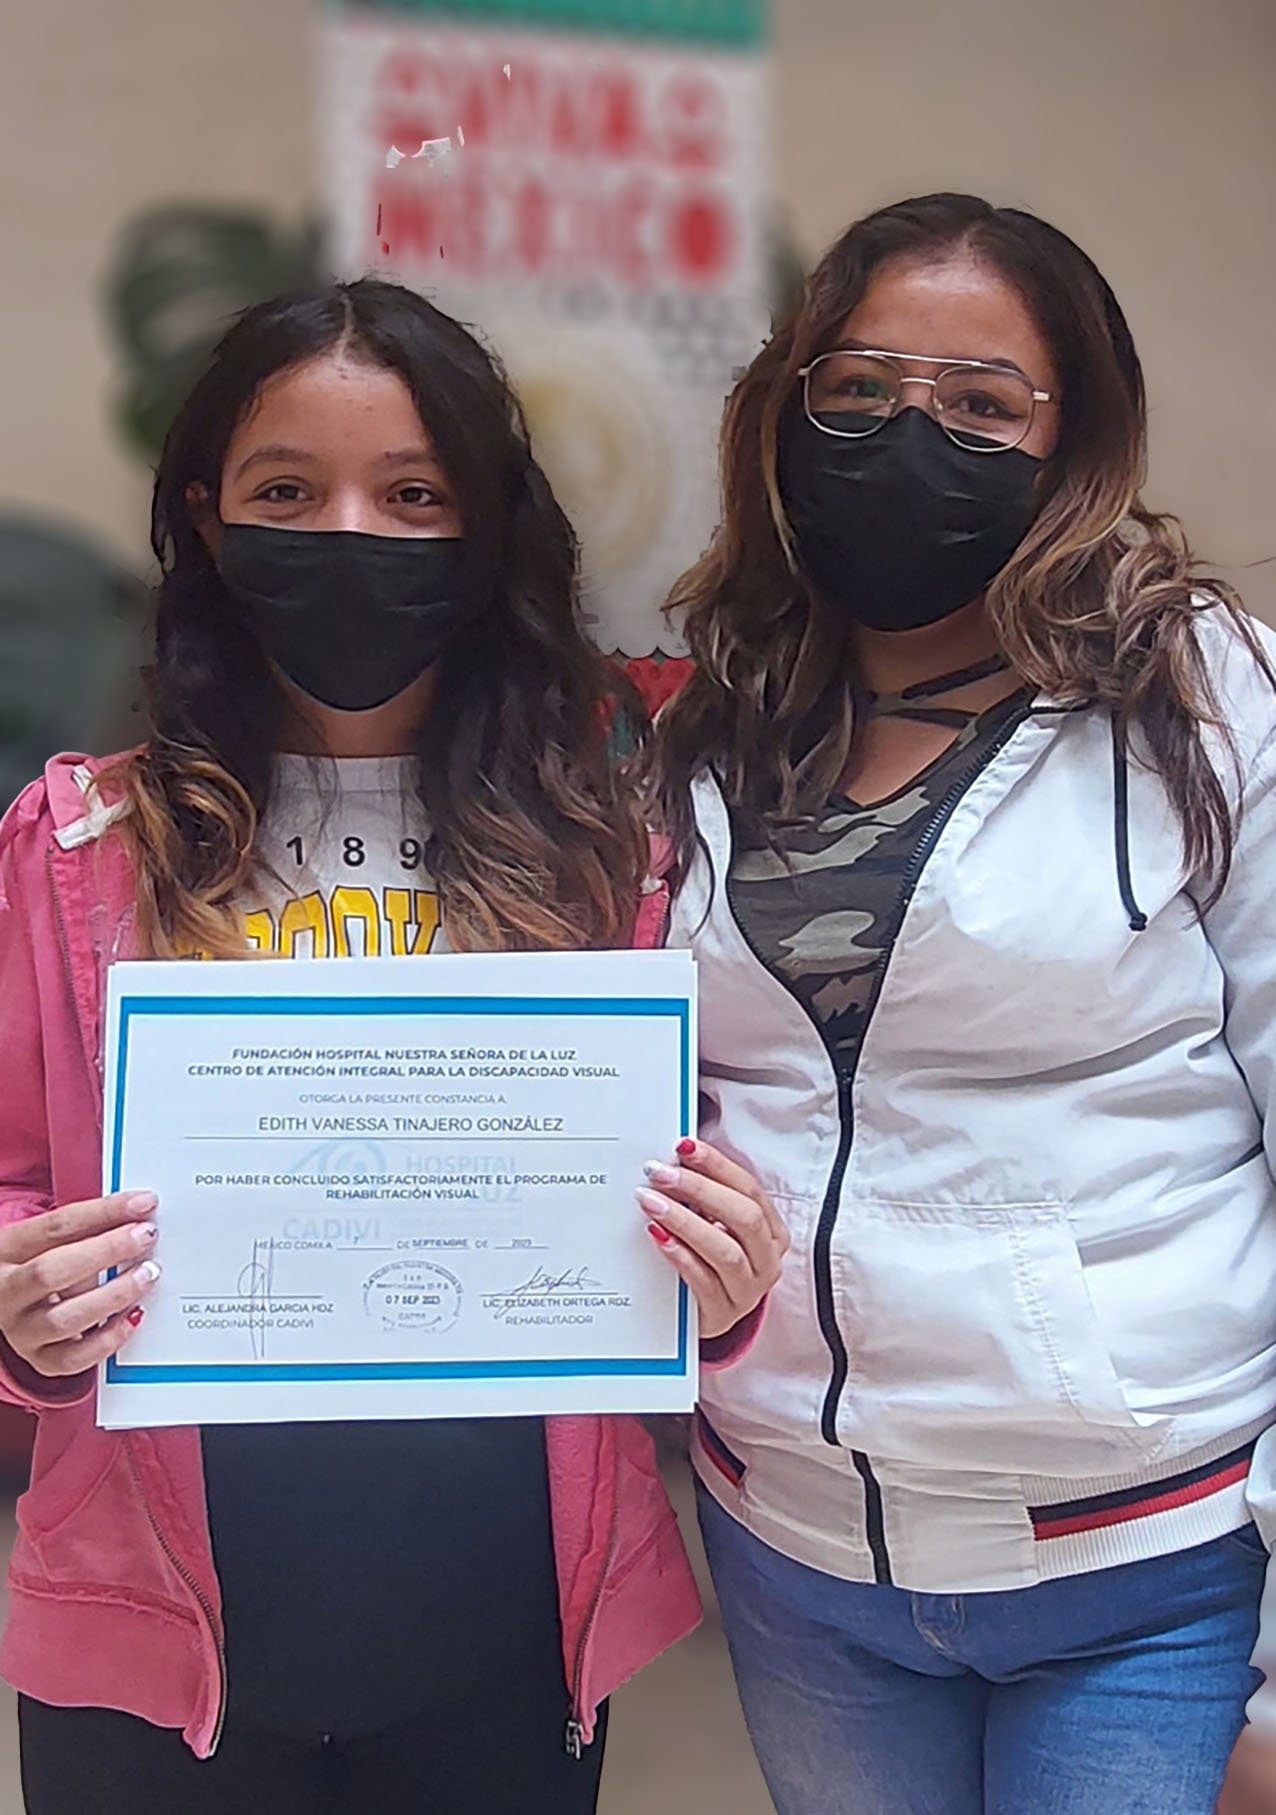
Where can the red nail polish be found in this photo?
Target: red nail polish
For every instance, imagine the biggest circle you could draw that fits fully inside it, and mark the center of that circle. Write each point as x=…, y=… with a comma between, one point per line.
x=136, y=1315
x=658, y=1234
x=685, y=1148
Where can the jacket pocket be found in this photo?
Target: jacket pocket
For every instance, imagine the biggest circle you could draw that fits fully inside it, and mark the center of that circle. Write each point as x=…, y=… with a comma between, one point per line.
x=72, y=1459
x=84, y=1530
x=973, y=1343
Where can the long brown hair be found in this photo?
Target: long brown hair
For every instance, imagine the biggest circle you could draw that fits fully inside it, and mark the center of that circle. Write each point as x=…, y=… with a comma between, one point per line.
x=537, y=839
x=1097, y=606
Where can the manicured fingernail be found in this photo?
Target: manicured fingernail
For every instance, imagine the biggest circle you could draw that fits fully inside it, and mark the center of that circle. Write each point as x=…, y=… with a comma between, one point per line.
x=652, y=1204
x=685, y=1149
x=144, y=1234
x=140, y=1203
x=148, y=1272
x=658, y=1234
x=136, y=1315
x=659, y=1173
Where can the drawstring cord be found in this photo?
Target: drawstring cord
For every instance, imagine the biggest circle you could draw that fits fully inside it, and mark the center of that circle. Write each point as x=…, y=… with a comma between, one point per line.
x=1121, y=809
x=1121, y=826
x=908, y=704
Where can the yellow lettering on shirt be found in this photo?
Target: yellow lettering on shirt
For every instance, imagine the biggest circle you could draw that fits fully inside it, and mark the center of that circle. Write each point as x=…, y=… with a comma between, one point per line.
x=397, y=904
x=305, y=914
x=260, y=928
x=405, y=925
x=355, y=904
x=427, y=922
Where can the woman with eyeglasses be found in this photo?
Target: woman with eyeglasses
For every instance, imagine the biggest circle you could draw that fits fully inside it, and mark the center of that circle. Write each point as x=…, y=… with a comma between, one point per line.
x=972, y=794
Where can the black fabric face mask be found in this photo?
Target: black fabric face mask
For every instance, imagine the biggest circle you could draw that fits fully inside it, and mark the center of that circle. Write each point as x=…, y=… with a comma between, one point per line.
x=902, y=527
x=351, y=619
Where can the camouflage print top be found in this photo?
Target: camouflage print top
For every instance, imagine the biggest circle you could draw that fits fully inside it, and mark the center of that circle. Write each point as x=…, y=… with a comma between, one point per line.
x=822, y=910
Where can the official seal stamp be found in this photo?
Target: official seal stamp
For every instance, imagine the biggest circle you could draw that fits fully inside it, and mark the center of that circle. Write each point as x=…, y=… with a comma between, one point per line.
x=414, y=1295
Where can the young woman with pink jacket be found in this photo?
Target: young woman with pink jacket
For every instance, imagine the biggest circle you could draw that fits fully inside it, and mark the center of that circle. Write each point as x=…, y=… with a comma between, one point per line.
x=377, y=727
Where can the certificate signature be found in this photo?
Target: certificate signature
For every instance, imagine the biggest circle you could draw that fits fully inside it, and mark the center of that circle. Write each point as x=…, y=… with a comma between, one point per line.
x=546, y=1285
x=572, y=1293
x=259, y=1307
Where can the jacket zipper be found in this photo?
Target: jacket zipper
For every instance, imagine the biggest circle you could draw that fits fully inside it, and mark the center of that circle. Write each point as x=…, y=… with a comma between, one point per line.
x=575, y=1736
x=874, y=1519
x=575, y=1732
x=826, y=1314
x=205, y=1605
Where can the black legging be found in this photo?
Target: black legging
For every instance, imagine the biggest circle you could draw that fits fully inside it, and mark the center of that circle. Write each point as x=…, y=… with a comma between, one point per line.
x=506, y=1761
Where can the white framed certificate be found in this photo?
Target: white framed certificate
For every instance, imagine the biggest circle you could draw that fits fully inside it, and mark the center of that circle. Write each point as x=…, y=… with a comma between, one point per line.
x=396, y=1189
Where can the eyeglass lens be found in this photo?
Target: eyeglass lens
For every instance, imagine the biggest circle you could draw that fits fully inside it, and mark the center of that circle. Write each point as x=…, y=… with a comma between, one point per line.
x=854, y=394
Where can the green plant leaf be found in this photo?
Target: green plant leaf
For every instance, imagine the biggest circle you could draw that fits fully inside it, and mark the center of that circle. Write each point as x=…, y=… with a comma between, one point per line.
x=179, y=276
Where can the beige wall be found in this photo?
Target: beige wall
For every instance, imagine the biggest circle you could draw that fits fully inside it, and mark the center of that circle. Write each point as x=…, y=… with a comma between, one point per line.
x=1145, y=128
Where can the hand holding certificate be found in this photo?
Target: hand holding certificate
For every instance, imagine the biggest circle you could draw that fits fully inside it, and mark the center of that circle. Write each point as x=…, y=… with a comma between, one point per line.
x=401, y=1190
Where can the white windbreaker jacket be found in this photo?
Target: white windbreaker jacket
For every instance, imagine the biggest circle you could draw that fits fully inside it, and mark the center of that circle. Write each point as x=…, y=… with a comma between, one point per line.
x=1027, y=1326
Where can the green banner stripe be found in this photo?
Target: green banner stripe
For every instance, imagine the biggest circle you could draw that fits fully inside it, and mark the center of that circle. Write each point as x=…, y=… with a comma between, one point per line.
x=725, y=22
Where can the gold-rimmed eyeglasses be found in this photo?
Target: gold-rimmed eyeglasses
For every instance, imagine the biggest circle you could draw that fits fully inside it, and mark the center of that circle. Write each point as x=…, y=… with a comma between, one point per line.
x=983, y=407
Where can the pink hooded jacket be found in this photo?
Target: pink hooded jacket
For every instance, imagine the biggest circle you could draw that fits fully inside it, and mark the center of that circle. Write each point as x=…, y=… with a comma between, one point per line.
x=113, y=1597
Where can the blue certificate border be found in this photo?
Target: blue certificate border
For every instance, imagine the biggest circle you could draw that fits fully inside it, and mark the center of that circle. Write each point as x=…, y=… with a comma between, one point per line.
x=132, y=1007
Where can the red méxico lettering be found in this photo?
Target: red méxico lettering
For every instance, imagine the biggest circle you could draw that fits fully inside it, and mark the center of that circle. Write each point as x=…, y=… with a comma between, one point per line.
x=532, y=226
x=633, y=207
x=492, y=220
x=693, y=135
x=700, y=238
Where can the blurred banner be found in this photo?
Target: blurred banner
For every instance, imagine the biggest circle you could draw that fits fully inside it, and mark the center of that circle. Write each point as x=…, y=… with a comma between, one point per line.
x=585, y=182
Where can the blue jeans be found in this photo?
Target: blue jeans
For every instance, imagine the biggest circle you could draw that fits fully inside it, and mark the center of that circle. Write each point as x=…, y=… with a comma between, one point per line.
x=1116, y=1693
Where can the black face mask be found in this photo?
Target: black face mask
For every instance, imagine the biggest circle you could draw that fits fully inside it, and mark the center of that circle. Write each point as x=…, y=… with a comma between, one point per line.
x=351, y=619
x=903, y=527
